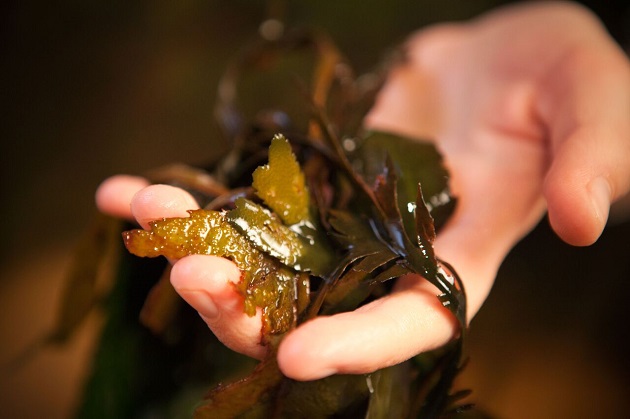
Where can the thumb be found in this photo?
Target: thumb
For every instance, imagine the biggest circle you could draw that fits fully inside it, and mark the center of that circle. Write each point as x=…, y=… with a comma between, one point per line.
x=579, y=188
x=585, y=105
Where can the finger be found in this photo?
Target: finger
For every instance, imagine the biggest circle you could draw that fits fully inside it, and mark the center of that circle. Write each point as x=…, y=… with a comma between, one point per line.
x=397, y=327
x=382, y=333
x=583, y=181
x=161, y=201
x=206, y=283
x=586, y=104
x=114, y=194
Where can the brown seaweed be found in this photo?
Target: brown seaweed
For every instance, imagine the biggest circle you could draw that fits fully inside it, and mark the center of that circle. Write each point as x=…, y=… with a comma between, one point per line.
x=315, y=228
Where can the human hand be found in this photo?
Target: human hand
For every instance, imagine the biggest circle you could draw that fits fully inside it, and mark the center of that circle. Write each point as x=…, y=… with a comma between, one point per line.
x=530, y=106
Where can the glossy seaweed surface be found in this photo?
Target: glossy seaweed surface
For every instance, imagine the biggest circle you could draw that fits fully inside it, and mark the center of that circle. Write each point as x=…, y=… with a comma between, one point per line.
x=320, y=216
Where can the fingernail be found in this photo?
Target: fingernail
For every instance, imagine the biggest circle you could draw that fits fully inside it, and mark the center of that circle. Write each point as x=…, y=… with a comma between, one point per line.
x=202, y=302
x=600, y=192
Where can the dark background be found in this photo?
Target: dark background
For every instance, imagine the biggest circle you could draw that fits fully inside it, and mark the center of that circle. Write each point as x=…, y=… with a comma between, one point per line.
x=94, y=88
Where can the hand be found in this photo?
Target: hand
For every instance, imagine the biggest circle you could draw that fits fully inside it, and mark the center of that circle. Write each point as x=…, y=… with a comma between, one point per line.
x=530, y=106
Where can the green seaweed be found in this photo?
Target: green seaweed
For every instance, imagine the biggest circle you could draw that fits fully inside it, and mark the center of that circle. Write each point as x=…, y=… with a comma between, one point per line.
x=281, y=184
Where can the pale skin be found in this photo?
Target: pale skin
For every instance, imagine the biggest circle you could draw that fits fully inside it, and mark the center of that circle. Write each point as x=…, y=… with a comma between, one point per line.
x=530, y=106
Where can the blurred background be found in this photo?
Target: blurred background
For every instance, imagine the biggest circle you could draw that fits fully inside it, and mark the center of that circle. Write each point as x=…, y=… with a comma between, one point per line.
x=95, y=88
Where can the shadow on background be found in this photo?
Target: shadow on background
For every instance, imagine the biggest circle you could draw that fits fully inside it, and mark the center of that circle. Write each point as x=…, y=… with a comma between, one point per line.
x=93, y=89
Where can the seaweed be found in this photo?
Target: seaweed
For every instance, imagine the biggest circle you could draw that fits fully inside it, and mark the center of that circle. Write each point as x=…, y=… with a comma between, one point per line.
x=320, y=223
